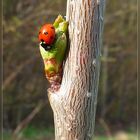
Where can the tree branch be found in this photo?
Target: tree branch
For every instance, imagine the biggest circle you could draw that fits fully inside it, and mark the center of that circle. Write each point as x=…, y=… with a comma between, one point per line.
x=74, y=106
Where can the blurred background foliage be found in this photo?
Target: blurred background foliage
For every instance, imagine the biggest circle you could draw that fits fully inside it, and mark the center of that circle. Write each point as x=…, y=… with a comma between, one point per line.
x=26, y=108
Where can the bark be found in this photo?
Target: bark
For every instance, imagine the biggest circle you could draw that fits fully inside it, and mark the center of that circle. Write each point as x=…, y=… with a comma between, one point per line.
x=74, y=105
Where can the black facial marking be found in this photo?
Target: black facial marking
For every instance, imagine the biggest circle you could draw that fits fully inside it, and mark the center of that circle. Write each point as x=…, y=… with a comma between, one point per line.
x=45, y=33
x=52, y=27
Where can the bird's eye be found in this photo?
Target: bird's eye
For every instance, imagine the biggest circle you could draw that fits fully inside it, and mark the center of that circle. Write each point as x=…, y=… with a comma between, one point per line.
x=45, y=33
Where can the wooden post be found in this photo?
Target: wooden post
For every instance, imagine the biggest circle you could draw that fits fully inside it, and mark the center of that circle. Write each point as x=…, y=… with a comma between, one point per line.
x=74, y=105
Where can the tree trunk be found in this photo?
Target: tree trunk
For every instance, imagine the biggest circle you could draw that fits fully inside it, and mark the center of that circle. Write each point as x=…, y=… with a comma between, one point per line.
x=74, y=105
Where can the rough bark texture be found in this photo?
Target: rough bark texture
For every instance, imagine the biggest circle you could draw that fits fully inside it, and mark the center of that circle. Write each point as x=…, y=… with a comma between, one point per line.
x=74, y=105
